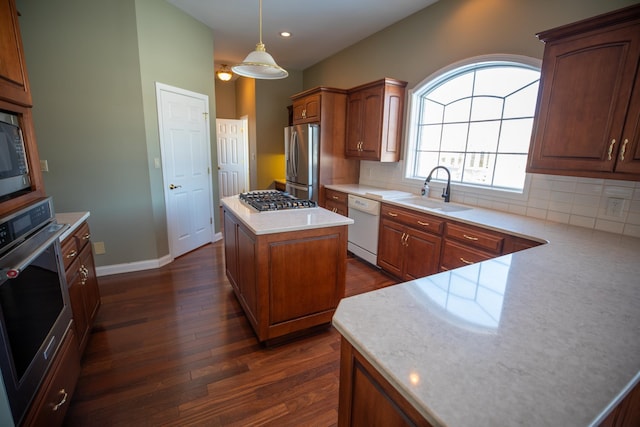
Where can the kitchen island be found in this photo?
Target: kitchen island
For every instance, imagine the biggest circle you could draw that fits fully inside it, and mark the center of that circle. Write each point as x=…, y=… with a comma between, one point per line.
x=287, y=268
x=545, y=336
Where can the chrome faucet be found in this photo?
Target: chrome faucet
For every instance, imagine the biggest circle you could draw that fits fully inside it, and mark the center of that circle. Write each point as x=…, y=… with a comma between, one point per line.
x=446, y=193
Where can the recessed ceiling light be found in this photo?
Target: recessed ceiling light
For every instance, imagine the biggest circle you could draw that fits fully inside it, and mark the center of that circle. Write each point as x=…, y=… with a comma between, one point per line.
x=285, y=34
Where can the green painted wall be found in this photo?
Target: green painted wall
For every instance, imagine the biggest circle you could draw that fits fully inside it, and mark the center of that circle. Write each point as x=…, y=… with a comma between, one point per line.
x=449, y=31
x=92, y=66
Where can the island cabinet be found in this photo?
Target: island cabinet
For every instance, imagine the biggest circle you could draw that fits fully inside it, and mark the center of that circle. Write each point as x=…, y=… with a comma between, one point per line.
x=337, y=201
x=84, y=293
x=367, y=399
x=374, y=120
x=409, y=242
x=327, y=107
x=587, y=121
x=286, y=282
x=14, y=84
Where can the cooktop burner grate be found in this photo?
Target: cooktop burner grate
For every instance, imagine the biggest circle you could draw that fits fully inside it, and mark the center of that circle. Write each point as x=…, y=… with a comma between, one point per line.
x=273, y=200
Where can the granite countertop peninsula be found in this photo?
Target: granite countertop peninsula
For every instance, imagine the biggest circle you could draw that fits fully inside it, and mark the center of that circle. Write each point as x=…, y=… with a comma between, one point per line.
x=285, y=220
x=546, y=336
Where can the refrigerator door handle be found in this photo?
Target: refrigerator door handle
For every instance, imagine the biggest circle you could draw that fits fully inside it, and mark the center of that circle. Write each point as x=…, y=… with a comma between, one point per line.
x=295, y=153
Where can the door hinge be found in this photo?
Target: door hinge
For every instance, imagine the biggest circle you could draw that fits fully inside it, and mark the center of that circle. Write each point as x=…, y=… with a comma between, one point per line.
x=210, y=220
x=206, y=115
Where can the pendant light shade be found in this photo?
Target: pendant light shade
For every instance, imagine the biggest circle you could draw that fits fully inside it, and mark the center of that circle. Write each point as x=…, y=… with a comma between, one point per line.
x=259, y=64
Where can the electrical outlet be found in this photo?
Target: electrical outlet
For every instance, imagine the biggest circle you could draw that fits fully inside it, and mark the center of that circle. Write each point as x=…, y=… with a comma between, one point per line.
x=98, y=248
x=44, y=166
x=615, y=206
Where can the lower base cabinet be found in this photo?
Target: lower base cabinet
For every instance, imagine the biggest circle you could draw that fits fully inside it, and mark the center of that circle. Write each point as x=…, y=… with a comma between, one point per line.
x=286, y=282
x=52, y=401
x=367, y=399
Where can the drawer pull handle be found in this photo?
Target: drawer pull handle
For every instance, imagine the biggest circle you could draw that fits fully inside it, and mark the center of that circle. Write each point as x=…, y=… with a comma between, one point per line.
x=86, y=236
x=465, y=261
x=423, y=223
x=392, y=214
x=470, y=237
x=613, y=142
x=72, y=254
x=335, y=197
x=623, y=149
x=64, y=395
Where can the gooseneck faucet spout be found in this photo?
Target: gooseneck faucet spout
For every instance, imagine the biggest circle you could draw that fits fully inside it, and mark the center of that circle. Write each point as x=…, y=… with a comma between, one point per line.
x=446, y=193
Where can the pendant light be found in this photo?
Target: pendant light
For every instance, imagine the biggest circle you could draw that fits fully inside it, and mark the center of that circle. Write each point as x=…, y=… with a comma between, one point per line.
x=259, y=64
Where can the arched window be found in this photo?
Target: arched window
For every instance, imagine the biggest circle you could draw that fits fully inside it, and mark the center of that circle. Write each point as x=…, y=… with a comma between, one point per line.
x=475, y=118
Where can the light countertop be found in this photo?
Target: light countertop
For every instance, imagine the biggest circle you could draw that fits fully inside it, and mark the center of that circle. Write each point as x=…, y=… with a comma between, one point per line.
x=285, y=220
x=545, y=336
x=74, y=219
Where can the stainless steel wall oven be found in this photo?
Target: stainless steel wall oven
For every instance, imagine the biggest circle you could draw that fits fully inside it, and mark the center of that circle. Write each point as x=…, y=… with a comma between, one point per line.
x=34, y=302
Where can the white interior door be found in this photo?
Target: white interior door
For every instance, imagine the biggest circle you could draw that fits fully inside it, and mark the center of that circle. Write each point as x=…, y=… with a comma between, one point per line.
x=232, y=156
x=186, y=162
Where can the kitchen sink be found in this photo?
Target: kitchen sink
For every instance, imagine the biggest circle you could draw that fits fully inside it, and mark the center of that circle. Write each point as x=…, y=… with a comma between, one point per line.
x=432, y=204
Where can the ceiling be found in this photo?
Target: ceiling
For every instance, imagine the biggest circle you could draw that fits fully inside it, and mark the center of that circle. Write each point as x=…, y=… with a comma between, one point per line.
x=320, y=28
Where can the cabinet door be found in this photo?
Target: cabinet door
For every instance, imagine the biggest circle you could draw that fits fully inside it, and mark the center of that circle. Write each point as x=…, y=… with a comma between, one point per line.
x=355, y=110
x=78, y=307
x=586, y=88
x=371, y=129
x=230, y=249
x=422, y=254
x=629, y=154
x=391, y=247
x=91, y=291
x=306, y=110
x=14, y=84
x=247, y=281
x=52, y=401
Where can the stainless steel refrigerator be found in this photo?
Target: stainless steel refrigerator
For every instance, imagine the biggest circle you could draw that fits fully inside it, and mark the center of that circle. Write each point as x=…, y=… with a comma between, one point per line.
x=301, y=152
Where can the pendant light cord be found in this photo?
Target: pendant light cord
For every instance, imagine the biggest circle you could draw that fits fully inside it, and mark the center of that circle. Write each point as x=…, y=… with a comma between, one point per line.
x=260, y=26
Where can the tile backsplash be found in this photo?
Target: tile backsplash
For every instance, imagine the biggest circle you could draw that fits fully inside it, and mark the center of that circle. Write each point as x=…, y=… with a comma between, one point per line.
x=601, y=204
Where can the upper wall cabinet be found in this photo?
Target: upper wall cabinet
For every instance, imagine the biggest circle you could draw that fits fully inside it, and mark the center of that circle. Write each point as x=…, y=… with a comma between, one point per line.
x=14, y=84
x=374, y=120
x=588, y=112
x=306, y=109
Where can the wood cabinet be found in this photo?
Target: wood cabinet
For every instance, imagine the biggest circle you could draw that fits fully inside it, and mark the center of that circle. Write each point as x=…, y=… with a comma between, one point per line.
x=465, y=245
x=374, y=120
x=588, y=113
x=327, y=107
x=307, y=109
x=367, y=399
x=286, y=282
x=82, y=281
x=52, y=400
x=15, y=98
x=337, y=201
x=409, y=242
x=14, y=83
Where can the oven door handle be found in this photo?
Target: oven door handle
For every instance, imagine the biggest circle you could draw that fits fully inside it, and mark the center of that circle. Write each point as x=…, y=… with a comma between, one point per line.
x=12, y=264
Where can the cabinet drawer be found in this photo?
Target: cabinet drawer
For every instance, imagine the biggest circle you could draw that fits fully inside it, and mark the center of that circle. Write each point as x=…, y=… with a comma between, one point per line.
x=474, y=237
x=336, y=196
x=82, y=235
x=413, y=219
x=70, y=251
x=455, y=255
x=336, y=207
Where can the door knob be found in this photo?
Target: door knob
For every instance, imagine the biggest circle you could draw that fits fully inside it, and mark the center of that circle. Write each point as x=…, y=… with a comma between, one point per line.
x=173, y=187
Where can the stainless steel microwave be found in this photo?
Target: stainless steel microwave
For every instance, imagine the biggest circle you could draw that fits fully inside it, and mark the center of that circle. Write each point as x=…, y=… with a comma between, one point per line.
x=14, y=169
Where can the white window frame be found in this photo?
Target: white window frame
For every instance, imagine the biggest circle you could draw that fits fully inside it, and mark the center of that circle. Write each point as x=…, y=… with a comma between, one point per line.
x=411, y=130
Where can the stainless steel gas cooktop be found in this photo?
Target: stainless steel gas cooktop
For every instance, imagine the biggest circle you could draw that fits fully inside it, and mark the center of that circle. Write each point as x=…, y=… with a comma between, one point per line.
x=273, y=200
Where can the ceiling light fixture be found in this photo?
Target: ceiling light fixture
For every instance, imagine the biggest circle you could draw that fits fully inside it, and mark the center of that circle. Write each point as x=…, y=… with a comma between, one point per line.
x=224, y=73
x=259, y=64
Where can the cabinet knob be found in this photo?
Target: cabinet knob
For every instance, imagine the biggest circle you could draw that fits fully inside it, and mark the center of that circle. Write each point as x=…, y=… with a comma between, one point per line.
x=613, y=142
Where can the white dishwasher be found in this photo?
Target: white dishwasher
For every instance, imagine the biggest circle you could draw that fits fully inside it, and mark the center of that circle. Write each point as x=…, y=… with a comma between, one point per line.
x=363, y=233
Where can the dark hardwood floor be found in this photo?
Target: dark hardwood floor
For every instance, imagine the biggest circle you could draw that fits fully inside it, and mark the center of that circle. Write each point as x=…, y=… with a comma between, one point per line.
x=172, y=347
